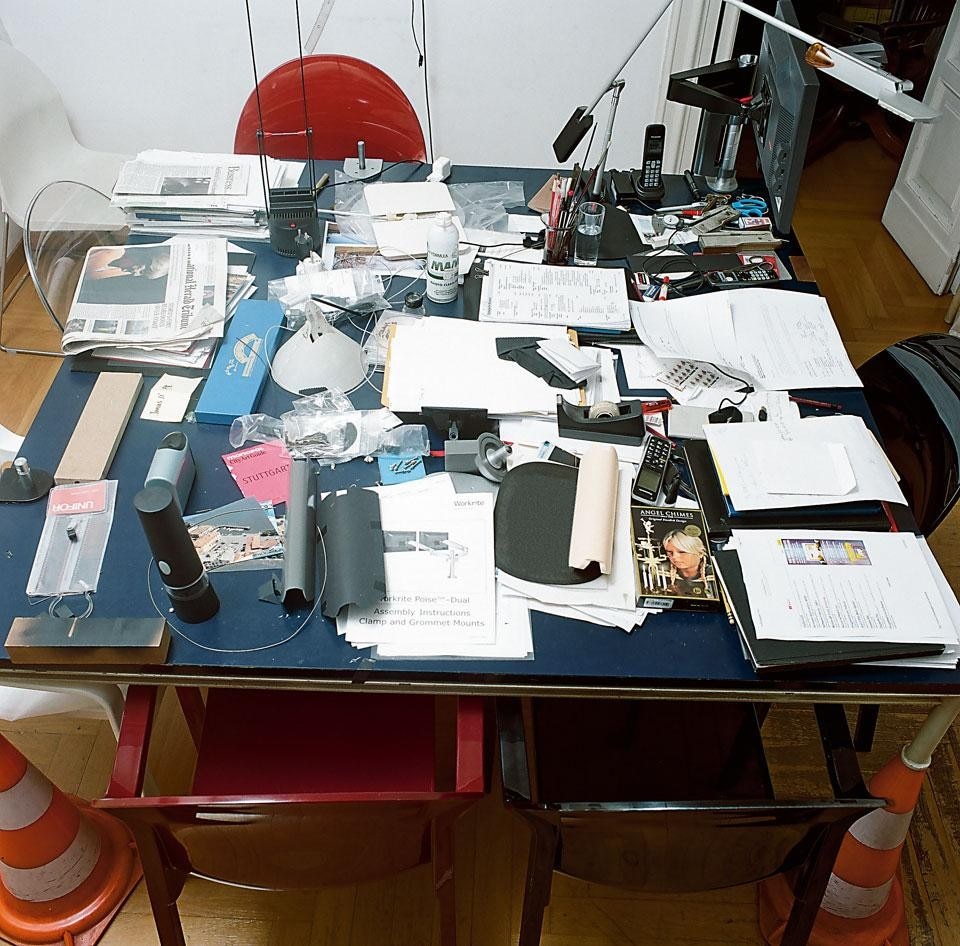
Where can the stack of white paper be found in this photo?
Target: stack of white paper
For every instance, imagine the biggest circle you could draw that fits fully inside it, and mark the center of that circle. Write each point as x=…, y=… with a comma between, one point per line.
x=822, y=585
x=578, y=365
x=454, y=363
x=811, y=462
x=188, y=192
x=777, y=339
x=441, y=598
x=554, y=295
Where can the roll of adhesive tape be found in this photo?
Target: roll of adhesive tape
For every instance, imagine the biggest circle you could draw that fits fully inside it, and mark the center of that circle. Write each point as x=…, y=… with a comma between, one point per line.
x=595, y=509
x=603, y=409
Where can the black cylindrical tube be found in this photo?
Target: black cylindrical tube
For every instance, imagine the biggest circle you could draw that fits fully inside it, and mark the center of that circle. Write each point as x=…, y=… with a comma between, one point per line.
x=181, y=572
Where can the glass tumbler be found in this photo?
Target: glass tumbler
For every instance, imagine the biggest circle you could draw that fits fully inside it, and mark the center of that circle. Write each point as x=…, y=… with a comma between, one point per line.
x=586, y=245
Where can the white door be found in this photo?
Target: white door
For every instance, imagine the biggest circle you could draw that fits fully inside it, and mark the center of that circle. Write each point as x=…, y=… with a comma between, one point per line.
x=923, y=210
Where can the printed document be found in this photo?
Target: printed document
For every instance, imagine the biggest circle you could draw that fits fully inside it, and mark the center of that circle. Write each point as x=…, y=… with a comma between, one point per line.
x=554, y=295
x=842, y=586
x=739, y=450
x=439, y=567
x=778, y=339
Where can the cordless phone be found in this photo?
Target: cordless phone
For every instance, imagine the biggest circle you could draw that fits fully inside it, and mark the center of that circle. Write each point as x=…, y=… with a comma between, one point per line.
x=653, y=468
x=647, y=181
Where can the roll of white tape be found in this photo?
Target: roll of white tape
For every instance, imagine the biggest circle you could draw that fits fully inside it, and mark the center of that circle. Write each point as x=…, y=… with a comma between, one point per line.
x=603, y=409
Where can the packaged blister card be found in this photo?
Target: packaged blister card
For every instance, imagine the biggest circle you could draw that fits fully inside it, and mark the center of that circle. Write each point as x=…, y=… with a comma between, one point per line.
x=74, y=539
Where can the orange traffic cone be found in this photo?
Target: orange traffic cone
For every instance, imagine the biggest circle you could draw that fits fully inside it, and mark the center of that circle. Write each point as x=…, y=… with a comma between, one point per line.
x=863, y=902
x=65, y=869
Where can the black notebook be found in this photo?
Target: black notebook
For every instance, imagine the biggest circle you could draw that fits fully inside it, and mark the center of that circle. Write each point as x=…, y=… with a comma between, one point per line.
x=769, y=656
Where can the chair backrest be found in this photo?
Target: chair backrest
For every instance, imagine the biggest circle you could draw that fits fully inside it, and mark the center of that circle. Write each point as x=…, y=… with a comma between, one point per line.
x=913, y=389
x=285, y=793
x=62, y=222
x=347, y=100
x=33, y=123
x=292, y=843
x=661, y=796
x=672, y=847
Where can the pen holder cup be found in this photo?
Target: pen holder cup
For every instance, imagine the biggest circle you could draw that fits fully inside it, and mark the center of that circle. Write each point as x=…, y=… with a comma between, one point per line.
x=558, y=242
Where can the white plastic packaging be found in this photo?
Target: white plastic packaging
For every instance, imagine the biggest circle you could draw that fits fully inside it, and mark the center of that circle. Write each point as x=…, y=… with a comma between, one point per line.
x=443, y=260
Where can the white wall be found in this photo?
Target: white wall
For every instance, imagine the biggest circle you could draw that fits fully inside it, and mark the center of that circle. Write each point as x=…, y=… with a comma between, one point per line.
x=504, y=75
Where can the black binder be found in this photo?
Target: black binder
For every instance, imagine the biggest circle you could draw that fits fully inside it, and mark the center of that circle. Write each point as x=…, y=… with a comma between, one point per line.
x=772, y=656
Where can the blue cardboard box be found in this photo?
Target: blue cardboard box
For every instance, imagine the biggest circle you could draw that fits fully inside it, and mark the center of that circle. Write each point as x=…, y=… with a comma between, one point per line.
x=240, y=367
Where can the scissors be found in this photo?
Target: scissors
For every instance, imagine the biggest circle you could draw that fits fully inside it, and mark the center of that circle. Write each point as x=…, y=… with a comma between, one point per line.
x=749, y=206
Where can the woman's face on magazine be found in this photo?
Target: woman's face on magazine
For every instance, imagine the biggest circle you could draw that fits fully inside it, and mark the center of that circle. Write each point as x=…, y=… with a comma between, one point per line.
x=687, y=563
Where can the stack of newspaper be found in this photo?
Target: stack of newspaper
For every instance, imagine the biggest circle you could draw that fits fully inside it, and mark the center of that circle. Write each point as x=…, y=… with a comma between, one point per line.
x=186, y=192
x=163, y=303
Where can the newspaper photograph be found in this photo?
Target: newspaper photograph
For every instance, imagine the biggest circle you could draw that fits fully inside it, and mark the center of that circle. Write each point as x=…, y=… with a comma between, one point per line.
x=141, y=177
x=148, y=295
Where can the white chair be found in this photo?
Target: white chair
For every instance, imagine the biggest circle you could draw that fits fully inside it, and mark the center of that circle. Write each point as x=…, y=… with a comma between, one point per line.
x=37, y=146
x=9, y=445
x=29, y=698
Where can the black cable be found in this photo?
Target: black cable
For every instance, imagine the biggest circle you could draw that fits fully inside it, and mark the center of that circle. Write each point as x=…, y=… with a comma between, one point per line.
x=727, y=400
x=373, y=177
x=747, y=388
x=413, y=32
x=426, y=82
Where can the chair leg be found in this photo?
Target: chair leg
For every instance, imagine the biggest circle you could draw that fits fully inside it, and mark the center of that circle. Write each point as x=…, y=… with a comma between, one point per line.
x=867, y=716
x=811, y=885
x=164, y=884
x=4, y=241
x=540, y=864
x=443, y=856
x=194, y=710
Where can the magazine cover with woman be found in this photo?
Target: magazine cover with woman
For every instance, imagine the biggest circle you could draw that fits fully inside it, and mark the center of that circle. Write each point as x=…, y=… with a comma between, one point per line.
x=672, y=559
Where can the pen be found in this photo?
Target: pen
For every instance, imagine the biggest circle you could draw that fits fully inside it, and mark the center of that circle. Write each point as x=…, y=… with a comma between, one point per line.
x=811, y=403
x=322, y=183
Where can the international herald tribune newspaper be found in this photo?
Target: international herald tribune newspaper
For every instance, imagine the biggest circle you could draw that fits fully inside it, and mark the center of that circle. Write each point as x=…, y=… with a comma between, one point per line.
x=148, y=295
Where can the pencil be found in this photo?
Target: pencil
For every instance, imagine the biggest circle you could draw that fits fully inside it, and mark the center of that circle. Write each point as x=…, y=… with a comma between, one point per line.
x=726, y=607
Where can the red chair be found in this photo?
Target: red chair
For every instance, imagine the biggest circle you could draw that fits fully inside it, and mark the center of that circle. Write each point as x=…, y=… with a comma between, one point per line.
x=347, y=100
x=299, y=790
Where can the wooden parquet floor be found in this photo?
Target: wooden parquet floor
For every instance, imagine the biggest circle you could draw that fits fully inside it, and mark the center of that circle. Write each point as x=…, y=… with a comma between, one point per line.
x=877, y=298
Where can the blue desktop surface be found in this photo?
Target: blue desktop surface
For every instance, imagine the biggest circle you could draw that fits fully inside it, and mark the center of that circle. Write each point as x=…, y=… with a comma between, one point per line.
x=690, y=652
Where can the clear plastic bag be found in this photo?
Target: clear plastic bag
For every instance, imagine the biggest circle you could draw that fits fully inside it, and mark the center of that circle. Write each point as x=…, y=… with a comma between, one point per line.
x=260, y=428
x=337, y=436
x=360, y=290
x=349, y=198
x=482, y=206
x=407, y=441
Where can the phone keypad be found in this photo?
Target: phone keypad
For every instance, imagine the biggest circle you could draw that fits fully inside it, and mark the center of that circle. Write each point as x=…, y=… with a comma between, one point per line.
x=651, y=173
x=655, y=459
